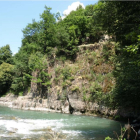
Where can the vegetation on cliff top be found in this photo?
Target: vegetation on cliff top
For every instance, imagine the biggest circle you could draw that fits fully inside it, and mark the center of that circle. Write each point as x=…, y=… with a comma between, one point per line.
x=111, y=70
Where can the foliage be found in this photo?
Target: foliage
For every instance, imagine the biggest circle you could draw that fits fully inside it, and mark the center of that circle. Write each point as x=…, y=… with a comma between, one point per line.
x=40, y=36
x=127, y=81
x=119, y=19
x=6, y=77
x=37, y=62
x=126, y=129
x=75, y=89
x=54, y=39
x=20, y=80
x=6, y=55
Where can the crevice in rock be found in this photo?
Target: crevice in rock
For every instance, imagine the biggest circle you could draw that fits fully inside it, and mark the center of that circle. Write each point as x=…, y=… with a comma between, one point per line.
x=83, y=111
x=71, y=109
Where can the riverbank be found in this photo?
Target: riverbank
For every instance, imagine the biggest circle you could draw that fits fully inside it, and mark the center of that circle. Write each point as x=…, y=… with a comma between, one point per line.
x=38, y=104
x=67, y=107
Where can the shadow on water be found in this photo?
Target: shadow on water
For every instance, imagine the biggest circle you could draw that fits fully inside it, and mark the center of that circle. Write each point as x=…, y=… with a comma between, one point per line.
x=93, y=127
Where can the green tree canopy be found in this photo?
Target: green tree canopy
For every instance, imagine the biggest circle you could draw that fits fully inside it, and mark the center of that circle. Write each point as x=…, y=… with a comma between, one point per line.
x=6, y=77
x=121, y=19
x=5, y=55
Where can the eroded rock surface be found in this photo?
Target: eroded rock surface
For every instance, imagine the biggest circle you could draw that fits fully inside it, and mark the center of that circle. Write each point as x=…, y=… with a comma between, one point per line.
x=71, y=105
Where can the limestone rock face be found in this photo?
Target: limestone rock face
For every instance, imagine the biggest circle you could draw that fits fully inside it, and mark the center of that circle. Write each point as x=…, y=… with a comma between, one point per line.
x=77, y=106
x=71, y=82
x=8, y=99
x=55, y=104
x=65, y=107
x=73, y=104
x=44, y=102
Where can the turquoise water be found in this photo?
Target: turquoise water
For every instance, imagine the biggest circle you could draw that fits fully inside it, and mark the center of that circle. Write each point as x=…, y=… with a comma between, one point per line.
x=28, y=124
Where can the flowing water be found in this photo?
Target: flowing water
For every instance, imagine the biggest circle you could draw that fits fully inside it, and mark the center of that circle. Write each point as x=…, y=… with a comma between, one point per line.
x=23, y=124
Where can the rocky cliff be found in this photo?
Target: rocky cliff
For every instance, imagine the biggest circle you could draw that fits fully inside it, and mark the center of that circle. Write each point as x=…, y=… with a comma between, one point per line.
x=82, y=86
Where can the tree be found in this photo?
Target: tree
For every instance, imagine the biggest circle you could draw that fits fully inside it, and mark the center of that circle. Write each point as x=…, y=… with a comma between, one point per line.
x=5, y=55
x=21, y=68
x=121, y=19
x=40, y=76
x=47, y=35
x=40, y=36
x=94, y=29
x=62, y=41
x=6, y=77
x=76, y=25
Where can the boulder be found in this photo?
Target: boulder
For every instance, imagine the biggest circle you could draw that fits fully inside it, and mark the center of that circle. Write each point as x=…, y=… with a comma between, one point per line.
x=20, y=105
x=44, y=103
x=65, y=107
x=33, y=105
x=77, y=106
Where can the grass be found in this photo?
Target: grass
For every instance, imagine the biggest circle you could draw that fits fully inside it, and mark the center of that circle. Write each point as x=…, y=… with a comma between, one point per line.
x=20, y=93
x=75, y=89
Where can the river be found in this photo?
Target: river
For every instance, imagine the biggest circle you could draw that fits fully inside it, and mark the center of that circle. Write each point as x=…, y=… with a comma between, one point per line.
x=22, y=124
